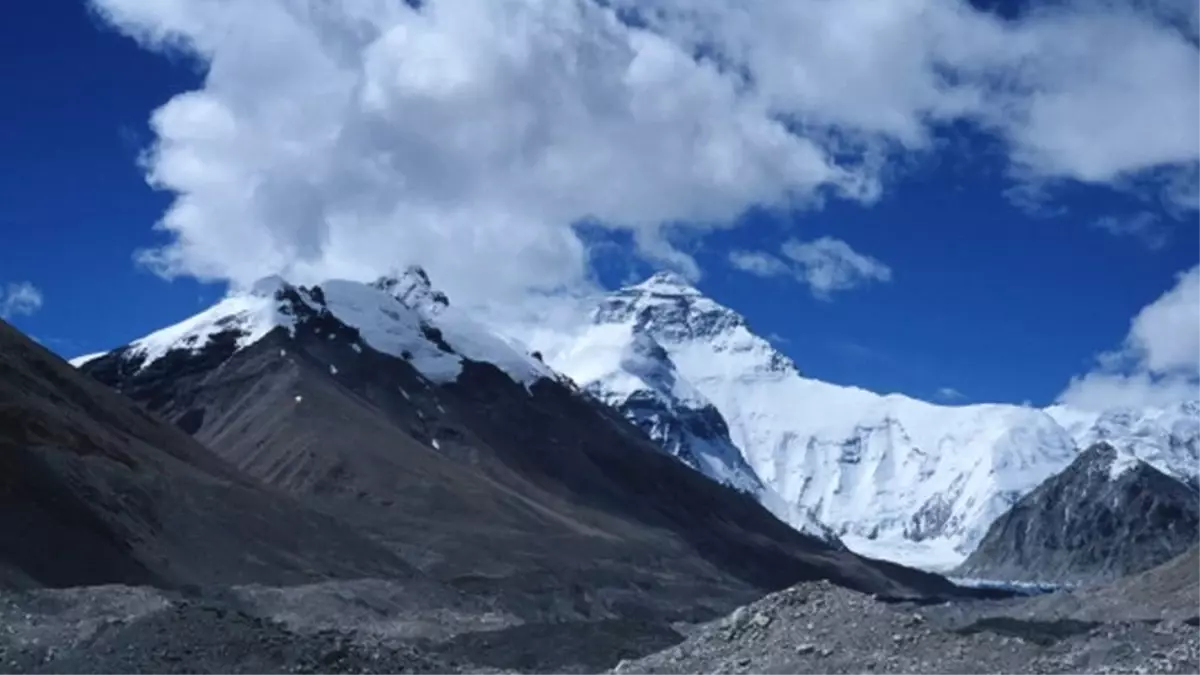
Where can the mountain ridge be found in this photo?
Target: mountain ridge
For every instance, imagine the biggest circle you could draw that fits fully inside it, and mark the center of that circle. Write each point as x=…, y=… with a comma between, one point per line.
x=904, y=479
x=899, y=477
x=345, y=407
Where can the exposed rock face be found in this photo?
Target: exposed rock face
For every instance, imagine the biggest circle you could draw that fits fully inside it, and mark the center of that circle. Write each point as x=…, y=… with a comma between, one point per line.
x=1107, y=515
x=94, y=490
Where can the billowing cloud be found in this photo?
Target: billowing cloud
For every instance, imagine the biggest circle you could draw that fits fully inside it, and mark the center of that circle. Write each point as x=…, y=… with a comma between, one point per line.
x=350, y=138
x=19, y=298
x=1159, y=361
x=825, y=265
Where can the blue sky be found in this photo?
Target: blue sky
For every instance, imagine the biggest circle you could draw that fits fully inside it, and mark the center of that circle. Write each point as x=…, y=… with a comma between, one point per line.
x=987, y=295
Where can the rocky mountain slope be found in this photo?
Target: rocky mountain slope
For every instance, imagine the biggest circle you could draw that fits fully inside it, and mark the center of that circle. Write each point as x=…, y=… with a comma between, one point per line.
x=93, y=490
x=1108, y=515
x=893, y=476
x=381, y=404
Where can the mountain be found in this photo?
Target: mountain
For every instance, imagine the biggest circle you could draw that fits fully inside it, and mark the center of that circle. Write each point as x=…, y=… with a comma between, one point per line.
x=1108, y=515
x=387, y=407
x=893, y=476
x=93, y=490
x=631, y=372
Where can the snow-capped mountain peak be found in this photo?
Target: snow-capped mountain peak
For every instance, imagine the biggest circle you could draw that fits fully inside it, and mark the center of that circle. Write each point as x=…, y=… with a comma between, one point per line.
x=666, y=303
x=666, y=283
x=630, y=371
x=402, y=316
x=413, y=288
x=899, y=477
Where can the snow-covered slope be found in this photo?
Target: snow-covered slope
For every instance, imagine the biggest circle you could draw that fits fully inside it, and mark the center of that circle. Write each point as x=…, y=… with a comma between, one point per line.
x=631, y=372
x=462, y=333
x=894, y=476
x=400, y=316
x=1166, y=438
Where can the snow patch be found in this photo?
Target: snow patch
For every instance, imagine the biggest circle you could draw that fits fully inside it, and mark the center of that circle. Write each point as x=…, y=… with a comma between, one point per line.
x=1122, y=462
x=355, y=347
x=252, y=315
x=389, y=327
x=333, y=369
x=79, y=361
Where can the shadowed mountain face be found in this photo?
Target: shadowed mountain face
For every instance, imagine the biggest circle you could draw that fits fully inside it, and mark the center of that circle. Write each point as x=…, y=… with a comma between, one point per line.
x=1107, y=515
x=95, y=490
x=533, y=494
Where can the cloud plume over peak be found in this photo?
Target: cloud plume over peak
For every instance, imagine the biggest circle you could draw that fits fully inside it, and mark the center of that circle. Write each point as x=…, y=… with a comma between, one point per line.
x=348, y=138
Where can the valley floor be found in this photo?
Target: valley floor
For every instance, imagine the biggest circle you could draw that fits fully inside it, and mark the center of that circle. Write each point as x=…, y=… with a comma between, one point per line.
x=362, y=626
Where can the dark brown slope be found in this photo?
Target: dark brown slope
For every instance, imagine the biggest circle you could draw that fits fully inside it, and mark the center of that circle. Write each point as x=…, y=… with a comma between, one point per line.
x=545, y=499
x=93, y=489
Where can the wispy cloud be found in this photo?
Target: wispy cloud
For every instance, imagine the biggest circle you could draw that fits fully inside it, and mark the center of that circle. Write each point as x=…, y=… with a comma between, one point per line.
x=1146, y=227
x=758, y=263
x=19, y=298
x=826, y=265
x=950, y=394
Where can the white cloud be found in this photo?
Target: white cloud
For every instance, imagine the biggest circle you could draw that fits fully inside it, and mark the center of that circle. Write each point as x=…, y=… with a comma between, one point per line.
x=1159, y=361
x=826, y=265
x=1144, y=226
x=349, y=138
x=468, y=136
x=1165, y=335
x=20, y=298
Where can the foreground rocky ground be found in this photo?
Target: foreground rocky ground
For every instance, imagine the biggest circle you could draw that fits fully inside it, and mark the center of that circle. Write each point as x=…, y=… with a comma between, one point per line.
x=820, y=628
x=364, y=626
x=360, y=626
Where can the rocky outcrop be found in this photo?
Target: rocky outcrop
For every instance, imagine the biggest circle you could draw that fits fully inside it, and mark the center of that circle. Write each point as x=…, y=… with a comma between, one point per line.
x=1107, y=515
